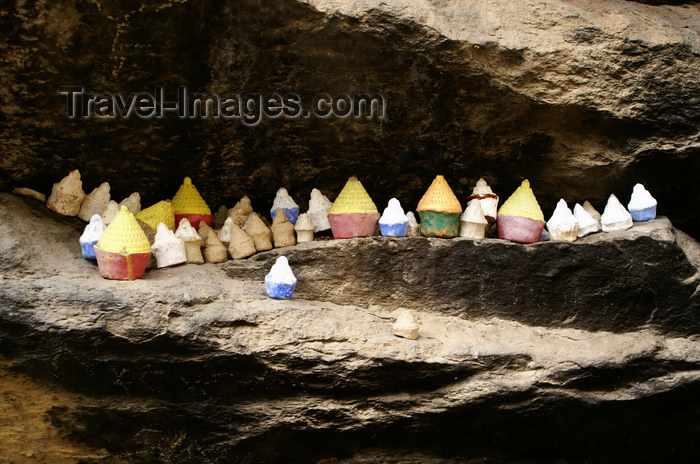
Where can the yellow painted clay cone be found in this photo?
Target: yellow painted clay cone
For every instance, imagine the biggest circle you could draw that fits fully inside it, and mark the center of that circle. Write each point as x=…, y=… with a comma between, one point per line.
x=520, y=218
x=123, y=249
x=160, y=212
x=353, y=213
x=439, y=210
x=188, y=203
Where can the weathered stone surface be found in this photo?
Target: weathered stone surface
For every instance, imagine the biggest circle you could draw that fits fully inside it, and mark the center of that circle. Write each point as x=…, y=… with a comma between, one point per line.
x=585, y=98
x=190, y=365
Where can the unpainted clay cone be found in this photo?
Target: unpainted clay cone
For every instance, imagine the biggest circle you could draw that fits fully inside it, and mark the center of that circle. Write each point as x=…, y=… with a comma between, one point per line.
x=413, y=229
x=91, y=235
x=110, y=212
x=168, y=249
x=319, y=207
x=220, y=217
x=241, y=211
x=204, y=230
x=133, y=202
x=473, y=223
x=214, y=250
x=258, y=231
x=95, y=202
x=242, y=244
x=563, y=224
x=591, y=210
x=193, y=242
x=282, y=230
x=304, y=229
x=225, y=232
x=67, y=195
x=586, y=223
x=406, y=326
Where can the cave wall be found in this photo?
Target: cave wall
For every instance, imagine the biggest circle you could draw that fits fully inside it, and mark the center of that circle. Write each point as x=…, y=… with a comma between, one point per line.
x=584, y=98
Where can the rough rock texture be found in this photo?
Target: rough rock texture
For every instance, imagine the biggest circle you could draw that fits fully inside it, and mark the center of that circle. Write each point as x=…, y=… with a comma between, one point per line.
x=585, y=97
x=190, y=365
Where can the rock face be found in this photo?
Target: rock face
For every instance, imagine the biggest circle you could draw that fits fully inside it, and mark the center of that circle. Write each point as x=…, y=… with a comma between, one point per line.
x=536, y=347
x=584, y=98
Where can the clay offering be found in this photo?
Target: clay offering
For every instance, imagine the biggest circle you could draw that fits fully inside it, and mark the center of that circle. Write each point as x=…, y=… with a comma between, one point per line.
x=591, y=210
x=67, y=195
x=413, y=229
x=520, y=218
x=92, y=233
x=439, y=210
x=193, y=242
x=563, y=224
x=123, y=250
x=242, y=245
x=304, y=229
x=393, y=222
x=280, y=282
x=110, y=212
x=642, y=205
x=615, y=216
x=29, y=193
x=406, y=326
x=258, y=231
x=353, y=213
x=241, y=211
x=282, y=230
x=95, y=202
x=205, y=230
x=160, y=212
x=284, y=201
x=168, y=249
x=488, y=200
x=214, y=250
x=133, y=202
x=225, y=232
x=188, y=203
x=148, y=230
x=319, y=207
x=220, y=217
x=586, y=223
x=472, y=223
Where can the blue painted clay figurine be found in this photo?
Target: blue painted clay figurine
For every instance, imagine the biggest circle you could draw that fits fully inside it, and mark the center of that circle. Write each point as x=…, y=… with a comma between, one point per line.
x=91, y=235
x=393, y=222
x=642, y=205
x=284, y=201
x=280, y=282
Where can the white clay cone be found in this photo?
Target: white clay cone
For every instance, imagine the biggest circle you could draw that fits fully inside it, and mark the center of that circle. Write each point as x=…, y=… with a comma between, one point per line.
x=110, y=212
x=193, y=241
x=591, y=210
x=225, y=232
x=406, y=326
x=615, y=217
x=562, y=225
x=413, y=229
x=168, y=249
x=133, y=202
x=67, y=195
x=642, y=205
x=304, y=229
x=586, y=223
x=95, y=202
x=319, y=206
x=393, y=221
x=473, y=223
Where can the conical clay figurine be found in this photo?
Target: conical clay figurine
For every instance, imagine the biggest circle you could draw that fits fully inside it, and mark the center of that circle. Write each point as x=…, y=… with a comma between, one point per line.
x=304, y=229
x=241, y=211
x=95, y=203
x=193, y=242
x=188, y=203
x=220, y=217
x=92, y=233
x=280, y=282
x=413, y=229
x=214, y=250
x=284, y=200
x=406, y=326
x=123, y=250
x=472, y=223
x=563, y=224
x=110, y=212
x=642, y=205
x=488, y=200
x=160, y=212
x=353, y=213
x=204, y=231
x=258, y=231
x=615, y=216
x=242, y=244
x=591, y=210
x=439, y=210
x=586, y=223
x=133, y=202
x=520, y=218
x=225, y=232
x=393, y=222
x=319, y=207
x=282, y=230
x=67, y=195
x=168, y=249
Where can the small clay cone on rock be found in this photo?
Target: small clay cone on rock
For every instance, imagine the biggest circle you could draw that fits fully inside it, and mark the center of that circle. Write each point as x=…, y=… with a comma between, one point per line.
x=413, y=229
x=258, y=231
x=242, y=244
x=214, y=250
x=282, y=230
x=241, y=211
x=319, y=206
x=205, y=230
x=110, y=212
x=133, y=202
x=220, y=217
x=225, y=232
x=95, y=203
x=591, y=210
x=406, y=326
x=563, y=224
x=67, y=195
x=304, y=229
x=193, y=242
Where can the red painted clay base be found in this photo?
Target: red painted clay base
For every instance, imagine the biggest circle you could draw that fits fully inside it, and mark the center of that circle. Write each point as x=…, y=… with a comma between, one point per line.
x=519, y=229
x=349, y=225
x=121, y=267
